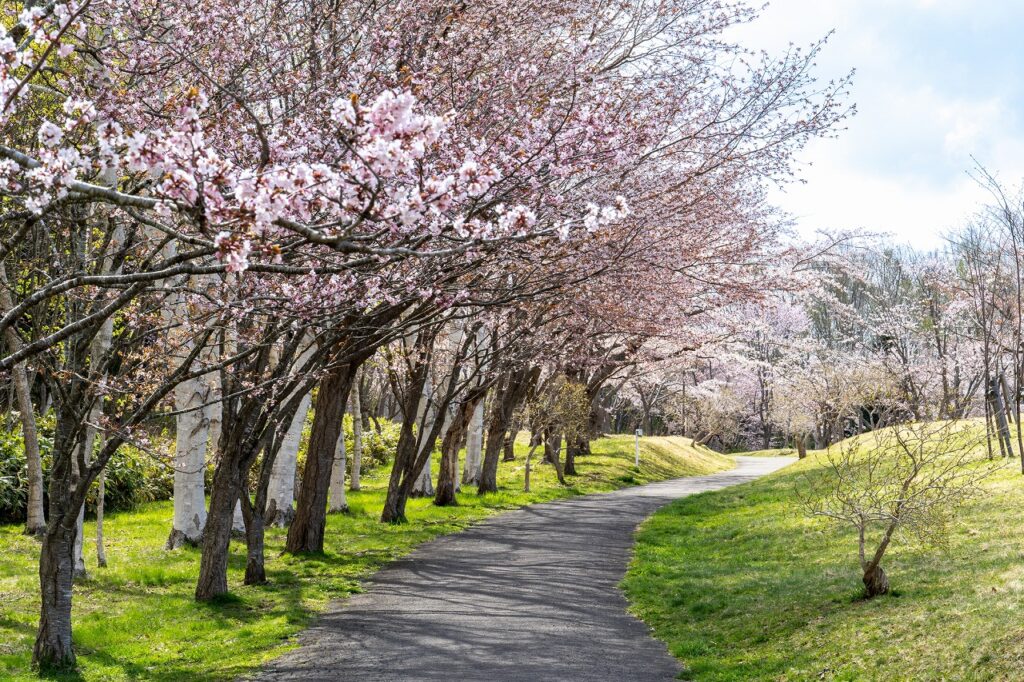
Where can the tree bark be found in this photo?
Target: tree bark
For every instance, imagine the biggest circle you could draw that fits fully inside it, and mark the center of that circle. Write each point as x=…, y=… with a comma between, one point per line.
x=192, y=435
x=357, y=436
x=876, y=582
x=306, y=533
x=224, y=495
x=336, y=495
x=280, y=507
x=35, y=523
x=255, y=567
x=474, y=446
x=53, y=649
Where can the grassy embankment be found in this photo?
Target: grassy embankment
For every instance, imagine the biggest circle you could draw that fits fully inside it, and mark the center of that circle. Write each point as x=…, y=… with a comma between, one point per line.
x=137, y=620
x=743, y=586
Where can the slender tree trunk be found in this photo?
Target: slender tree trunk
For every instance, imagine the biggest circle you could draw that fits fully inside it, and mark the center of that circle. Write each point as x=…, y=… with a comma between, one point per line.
x=426, y=414
x=306, y=534
x=474, y=446
x=556, y=459
x=357, y=436
x=255, y=568
x=101, y=551
x=529, y=462
x=35, y=523
x=280, y=508
x=338, y=503
x=509, y=445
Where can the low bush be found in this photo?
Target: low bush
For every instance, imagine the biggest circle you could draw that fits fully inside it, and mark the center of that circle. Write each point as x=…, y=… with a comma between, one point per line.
x=133, y=476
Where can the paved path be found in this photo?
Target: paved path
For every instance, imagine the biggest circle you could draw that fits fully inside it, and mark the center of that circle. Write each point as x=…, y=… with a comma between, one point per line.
x=528, y=595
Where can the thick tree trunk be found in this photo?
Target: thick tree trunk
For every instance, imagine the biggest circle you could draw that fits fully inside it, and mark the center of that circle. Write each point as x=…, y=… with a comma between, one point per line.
x=281, y=490
x=53, y=649
x=193, y=433
x=306, y=534
x=213, y=565
x=801, y=445
x=357, y=436
x=875, y=582
x=448, y=477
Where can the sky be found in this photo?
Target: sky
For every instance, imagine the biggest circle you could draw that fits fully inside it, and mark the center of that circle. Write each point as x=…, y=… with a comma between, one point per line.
x=937, y=82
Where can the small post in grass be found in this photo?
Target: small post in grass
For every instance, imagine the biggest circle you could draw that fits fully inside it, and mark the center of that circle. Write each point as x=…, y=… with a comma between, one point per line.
x=639, y=432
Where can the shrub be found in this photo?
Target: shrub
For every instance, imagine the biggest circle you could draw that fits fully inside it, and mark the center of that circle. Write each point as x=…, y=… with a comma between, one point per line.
x=133, y=476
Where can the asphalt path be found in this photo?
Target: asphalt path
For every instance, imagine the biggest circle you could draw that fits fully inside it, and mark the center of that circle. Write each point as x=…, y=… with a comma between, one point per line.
x=528, y=595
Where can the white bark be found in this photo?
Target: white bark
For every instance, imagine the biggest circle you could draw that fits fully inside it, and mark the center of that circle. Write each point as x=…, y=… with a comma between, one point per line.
x=281, y=491
x=336, y=495
x=192, y=434
x=474, y=446
x=238, y=521
x=357, y=436
x=424, y=484
x=192, y=427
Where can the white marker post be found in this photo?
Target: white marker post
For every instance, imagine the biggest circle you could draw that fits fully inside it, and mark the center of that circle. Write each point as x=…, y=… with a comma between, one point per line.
x=639, y=432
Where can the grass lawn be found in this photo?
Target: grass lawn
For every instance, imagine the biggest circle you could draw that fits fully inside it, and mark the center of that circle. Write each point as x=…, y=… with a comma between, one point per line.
x=137, y=619
x=742, y=586
x=776, y=452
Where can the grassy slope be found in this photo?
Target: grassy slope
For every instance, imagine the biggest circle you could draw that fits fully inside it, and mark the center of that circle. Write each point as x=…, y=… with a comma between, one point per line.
x=137, y=618
x=743, y=587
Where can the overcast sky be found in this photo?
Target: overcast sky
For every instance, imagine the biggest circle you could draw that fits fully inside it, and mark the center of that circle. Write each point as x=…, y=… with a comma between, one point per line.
x=937, y=82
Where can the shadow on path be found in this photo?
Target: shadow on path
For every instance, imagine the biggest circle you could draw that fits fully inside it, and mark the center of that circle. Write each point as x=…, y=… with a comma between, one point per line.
x=528, y=595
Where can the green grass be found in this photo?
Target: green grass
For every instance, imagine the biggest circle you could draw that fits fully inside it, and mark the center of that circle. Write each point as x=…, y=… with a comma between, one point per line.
x=776, y=452
x=137, y=620
x=742, y=586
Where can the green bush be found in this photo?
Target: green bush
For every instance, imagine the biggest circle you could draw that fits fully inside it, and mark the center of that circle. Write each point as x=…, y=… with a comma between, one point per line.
x=133, y=476
x=378, y=448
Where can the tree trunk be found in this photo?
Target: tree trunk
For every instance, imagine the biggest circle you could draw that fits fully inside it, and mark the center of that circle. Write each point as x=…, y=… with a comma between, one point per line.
x=357, y=436
x=255, y=568
x=556, y=459
x=474, y=446
x=338, y=503
x=509, y=446
x=101, y=551
x=875, y=582
x=224, y=496
x=801, y=446
x=306, y=533
x=447, y=479
x=192, y=435
x=35, y=523
x=281, y=490
x=53, y=649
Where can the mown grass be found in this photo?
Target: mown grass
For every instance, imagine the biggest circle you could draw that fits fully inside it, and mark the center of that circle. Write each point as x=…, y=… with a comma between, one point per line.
x=137, y=619
x=743, y=586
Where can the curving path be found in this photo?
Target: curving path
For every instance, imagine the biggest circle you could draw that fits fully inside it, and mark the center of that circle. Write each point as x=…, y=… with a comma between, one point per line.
x=528, y=595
